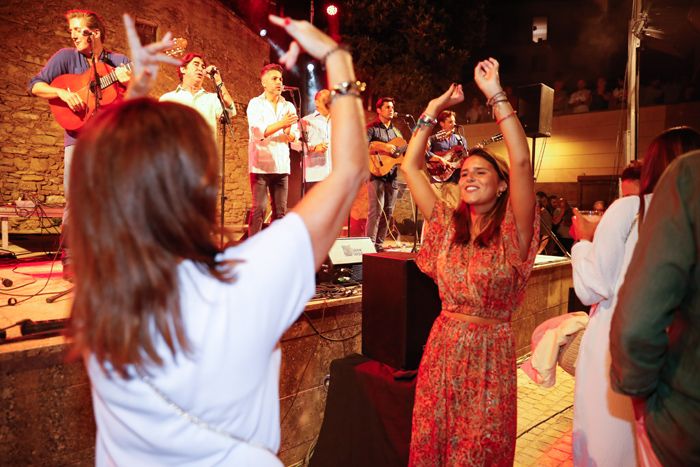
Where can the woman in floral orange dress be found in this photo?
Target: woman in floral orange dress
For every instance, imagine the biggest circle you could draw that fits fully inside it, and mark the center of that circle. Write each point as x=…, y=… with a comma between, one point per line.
x=480, y=255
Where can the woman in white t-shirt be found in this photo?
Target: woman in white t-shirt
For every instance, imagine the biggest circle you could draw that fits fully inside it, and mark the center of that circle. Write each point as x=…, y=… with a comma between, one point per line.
x=179, y=336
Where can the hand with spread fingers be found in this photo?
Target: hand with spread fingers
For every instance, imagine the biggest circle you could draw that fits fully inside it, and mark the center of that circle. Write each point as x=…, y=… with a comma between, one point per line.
x=311, y=39
x=145, y=59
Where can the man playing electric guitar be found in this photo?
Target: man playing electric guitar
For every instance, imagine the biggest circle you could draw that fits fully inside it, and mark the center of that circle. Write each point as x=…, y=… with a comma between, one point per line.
x=442, y=142
x=382, y=189
x=87, y=32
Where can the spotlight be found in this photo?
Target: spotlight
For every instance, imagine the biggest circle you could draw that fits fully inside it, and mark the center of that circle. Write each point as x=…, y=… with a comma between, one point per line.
x=263, y=32
x=310, y=67
x=332, y=10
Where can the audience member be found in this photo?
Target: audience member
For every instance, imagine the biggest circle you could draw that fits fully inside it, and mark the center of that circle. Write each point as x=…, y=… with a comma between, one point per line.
x=465, y=404
x=629, y=179
x=600, y=100
x=580, y=100
x=561, y=98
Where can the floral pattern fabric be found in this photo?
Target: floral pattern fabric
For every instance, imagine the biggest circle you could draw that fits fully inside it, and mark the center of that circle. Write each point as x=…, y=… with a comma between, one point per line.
x=465, y=406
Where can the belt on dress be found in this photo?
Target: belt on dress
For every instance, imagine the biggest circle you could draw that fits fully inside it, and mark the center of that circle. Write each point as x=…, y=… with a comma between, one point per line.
x=473, y=319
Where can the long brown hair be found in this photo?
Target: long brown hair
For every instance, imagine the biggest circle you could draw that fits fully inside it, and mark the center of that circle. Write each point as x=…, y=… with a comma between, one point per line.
x=143, y=198
x=662, y=151
x=494, y=217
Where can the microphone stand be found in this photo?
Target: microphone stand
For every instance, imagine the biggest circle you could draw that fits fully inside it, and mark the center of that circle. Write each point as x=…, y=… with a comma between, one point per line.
x=414, y=249
x=303, y=139
x=225, y=120
x=97, y=89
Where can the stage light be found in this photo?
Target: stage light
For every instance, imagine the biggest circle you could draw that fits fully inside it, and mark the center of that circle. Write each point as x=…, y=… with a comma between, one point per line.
x=332, y=10
x=263, y=32
x=310, y=67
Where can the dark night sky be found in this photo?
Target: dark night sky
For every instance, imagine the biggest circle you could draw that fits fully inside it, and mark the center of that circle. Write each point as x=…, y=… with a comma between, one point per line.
x=586, y=38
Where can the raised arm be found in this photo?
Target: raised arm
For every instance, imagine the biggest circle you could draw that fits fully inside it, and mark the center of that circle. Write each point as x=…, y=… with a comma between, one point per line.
x=414, y=160
x=522, y=184
x=327, y=205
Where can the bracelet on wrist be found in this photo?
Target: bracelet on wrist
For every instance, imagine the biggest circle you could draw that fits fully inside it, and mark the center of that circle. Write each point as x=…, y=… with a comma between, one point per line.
x=501, y=100
x=334, y=50
x=348, y=88
x=513, y=113
x=220, y=85
x=492, y=100
x=425, y=121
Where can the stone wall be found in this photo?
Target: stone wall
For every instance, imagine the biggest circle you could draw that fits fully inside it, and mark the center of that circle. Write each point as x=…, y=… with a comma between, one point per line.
x=31, y=142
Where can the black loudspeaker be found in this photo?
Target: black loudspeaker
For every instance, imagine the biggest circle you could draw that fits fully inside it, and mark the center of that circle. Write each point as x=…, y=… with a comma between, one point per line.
x=399, y=305
x=535, y=105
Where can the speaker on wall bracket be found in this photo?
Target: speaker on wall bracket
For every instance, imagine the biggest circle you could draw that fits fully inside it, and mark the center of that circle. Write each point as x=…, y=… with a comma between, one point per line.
x=535, y=107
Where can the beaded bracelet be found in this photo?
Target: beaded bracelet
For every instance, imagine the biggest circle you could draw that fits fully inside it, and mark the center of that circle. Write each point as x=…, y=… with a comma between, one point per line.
x=348, y=88
x=498, y=122
x=425, y=120
x=220, y=85
x=493, y=98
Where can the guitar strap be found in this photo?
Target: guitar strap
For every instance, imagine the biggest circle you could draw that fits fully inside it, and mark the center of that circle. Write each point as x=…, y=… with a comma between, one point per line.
x=107, y=58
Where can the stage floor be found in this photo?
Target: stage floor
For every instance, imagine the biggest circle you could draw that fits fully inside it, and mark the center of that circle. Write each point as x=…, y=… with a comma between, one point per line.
x=35, y=276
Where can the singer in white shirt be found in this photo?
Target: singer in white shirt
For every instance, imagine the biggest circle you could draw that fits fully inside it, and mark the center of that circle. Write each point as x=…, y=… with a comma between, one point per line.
x=272, y=126
x=191, y=93
x=317, y=130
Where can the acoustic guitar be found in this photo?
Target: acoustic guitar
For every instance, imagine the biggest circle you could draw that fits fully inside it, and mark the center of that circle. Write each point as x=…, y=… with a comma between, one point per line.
x=84, y=85
x=442, y=164
x=381, y=160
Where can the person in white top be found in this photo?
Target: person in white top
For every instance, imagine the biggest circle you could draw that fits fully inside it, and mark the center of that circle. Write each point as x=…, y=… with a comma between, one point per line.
x=603, y=431
x=271, y=127
x=191, y=92
x=179, y=337
x=316, y=128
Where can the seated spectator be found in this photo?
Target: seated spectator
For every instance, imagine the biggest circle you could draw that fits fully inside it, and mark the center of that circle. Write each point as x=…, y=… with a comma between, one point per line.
x=477, y=112
x=599, y=206
x=561, y=98
x=580, y=100
x=618, y=96
x=600, y=100
x=651, y=94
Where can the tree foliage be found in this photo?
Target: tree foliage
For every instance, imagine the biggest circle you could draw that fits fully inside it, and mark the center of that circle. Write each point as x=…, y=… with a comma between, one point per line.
x=413, y=49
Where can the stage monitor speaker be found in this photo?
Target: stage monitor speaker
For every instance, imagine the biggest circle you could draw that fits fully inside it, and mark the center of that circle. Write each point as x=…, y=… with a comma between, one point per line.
x=535, y=106
x=344, y=262
x=399, y=305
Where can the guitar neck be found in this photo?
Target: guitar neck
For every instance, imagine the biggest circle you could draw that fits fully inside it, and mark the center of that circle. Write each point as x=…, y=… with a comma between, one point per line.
x=111, y=77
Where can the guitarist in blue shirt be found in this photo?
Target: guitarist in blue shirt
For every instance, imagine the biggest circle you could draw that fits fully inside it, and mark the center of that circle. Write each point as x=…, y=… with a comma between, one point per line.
x=386, y=147
x=87, y=32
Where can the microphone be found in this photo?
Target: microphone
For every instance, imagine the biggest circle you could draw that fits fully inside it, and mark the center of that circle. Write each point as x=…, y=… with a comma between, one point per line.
x=213, y=71
x=289, y=88
x=87, y=32
x=403, y=115
x=6, y=282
